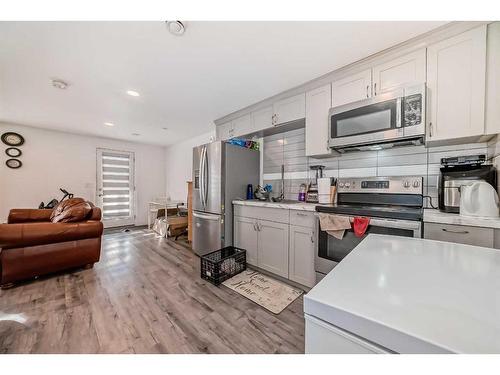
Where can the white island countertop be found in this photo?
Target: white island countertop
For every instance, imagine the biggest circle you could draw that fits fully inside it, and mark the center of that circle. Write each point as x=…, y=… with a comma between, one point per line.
x=438, y=217
x=413, y=295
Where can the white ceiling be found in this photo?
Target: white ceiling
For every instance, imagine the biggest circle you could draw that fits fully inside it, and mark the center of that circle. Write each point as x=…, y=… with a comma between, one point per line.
x=185, y=82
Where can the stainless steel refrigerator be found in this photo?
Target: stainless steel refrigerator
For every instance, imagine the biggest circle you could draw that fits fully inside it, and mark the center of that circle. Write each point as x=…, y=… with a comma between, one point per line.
x=221, y=173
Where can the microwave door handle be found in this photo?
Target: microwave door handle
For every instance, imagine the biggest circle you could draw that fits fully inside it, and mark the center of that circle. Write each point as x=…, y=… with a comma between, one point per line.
x=398, y=113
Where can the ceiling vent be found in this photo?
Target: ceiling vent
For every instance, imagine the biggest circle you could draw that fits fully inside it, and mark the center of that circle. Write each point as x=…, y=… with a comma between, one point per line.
x=60, y=84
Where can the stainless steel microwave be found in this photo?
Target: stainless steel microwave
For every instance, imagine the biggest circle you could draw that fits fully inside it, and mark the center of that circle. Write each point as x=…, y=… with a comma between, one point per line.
x=387, y=118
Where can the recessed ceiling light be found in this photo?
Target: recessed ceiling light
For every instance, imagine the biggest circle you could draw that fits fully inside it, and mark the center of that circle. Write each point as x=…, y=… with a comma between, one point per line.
x=133, y=93
x=59, y=84
x=176, y=27
x=135, y=134
x=109, y=124
x=165, y=128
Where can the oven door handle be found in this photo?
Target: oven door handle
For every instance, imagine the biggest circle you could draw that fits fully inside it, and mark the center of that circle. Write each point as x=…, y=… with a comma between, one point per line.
x=388, y=223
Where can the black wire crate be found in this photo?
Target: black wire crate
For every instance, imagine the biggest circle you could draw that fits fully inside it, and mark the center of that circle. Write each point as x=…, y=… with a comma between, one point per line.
x=223, y=264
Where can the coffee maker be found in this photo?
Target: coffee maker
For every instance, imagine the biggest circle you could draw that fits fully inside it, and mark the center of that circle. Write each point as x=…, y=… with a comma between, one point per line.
x=461, y=170
x=312, y=188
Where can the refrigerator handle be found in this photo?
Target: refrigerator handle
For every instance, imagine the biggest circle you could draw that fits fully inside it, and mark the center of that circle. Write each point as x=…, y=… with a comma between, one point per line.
x=202, y=168
x=206, y=217
x=205, y=177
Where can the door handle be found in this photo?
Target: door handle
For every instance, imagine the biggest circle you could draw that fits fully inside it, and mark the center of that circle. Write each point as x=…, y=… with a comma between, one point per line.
x=367, y=91
x=430, y=129
x=455, y=231
x=375, y=88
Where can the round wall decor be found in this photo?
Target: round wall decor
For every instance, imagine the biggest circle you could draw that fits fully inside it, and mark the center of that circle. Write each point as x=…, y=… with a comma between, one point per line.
x=14, y=163
x=13, y=152
x=12, y=139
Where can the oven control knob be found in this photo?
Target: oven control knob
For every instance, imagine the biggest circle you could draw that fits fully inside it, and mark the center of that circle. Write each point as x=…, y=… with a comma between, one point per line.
x=416, y=183
x=406, y=184
x=347, y=184
x=341, y=184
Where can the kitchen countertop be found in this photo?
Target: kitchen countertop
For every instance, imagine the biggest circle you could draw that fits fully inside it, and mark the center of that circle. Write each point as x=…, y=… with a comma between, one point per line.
x=302, y=206
x=412, y=295
x=436, y=216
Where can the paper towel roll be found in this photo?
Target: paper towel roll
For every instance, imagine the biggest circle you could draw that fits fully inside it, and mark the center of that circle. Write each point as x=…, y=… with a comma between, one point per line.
x=324, y=185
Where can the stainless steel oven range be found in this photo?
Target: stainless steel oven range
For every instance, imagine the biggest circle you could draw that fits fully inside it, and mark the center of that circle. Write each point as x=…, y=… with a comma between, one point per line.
x=393, y=204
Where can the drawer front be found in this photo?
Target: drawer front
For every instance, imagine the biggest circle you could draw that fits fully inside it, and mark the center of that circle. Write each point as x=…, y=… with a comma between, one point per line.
x=324, y=338
x=279, y=215
x=302, y=218
x=459, y=234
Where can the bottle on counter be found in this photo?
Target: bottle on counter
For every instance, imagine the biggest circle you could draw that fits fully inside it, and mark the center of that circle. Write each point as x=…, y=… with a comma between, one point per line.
x=302, y=192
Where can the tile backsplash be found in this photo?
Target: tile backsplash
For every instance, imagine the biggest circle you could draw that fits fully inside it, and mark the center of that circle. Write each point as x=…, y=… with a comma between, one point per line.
x=289, y=149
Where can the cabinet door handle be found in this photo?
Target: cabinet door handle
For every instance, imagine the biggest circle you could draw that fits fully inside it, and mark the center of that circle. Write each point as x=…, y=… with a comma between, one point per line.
x=430, y=129
x=312, y=238
x=367, y=91
x=255, y=227
x=455, y=231
x=301, y=214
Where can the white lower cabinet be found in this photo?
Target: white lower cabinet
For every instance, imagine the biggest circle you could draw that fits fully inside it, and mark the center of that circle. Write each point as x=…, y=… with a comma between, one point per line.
x=279, y=241
x=245, y=237
x=301, y=255
x=273, y=247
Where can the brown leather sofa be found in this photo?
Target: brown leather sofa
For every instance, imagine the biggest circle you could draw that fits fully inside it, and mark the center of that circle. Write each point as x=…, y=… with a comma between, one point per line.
x=31, y=245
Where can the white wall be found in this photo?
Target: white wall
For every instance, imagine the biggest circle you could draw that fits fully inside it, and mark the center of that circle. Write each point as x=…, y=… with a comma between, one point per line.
x=179, y=164
x=53, y=159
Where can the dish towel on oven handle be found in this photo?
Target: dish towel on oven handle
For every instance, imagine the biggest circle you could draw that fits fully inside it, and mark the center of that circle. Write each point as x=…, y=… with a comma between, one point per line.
x=359, y=225
x=334, y=225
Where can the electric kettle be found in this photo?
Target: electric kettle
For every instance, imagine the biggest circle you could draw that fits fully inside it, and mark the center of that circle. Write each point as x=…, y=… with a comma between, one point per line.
x=478, y=198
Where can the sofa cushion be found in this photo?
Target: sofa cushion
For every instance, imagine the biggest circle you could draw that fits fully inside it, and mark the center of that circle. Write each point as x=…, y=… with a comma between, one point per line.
x=71, y=210
x=28, y=215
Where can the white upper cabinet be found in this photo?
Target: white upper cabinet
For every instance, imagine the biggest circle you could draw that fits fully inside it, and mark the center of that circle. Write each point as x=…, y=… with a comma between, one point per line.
x=492, y=110
x=224, y=131
x=289, y=109
x=262, y=118
x=402, y=71
x=242, y=126
x=456, y=69
x=318, y=103
x=352, y=88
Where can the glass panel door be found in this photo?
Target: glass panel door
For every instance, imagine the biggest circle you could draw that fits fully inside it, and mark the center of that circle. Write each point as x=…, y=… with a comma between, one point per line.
x=115, y=187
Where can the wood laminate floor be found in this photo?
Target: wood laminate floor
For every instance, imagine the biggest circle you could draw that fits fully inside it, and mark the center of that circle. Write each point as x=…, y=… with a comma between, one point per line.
x=144, y=296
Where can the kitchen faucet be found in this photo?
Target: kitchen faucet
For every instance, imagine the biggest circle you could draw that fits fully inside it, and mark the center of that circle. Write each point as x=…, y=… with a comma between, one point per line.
x=282, y=193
